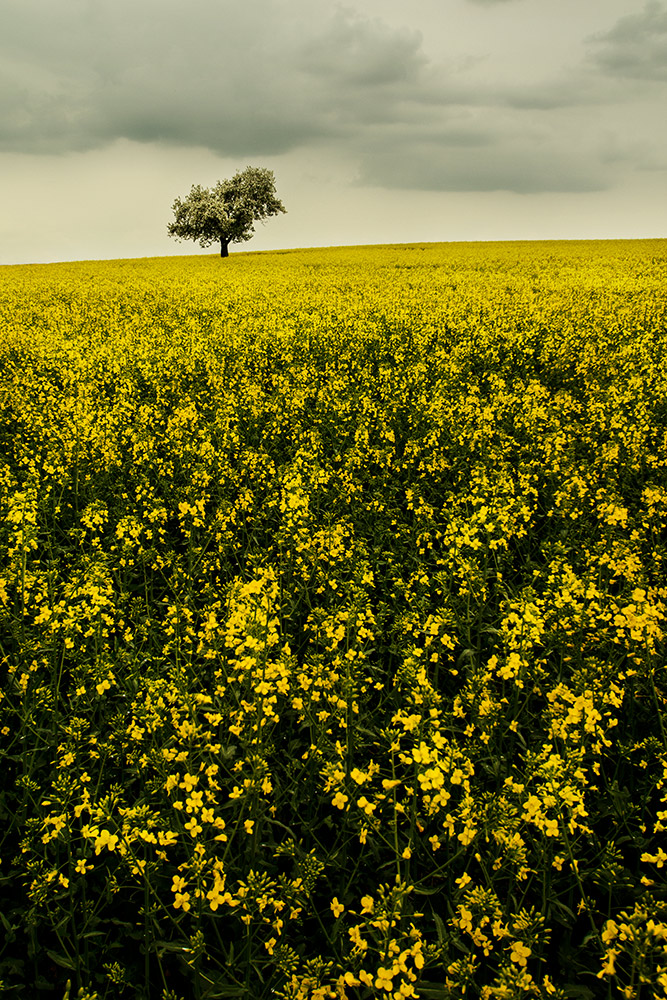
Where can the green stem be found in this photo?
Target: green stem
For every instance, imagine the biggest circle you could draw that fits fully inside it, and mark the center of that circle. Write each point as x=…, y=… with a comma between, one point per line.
x=657, y=707
x=396, y=851
x=575, y=869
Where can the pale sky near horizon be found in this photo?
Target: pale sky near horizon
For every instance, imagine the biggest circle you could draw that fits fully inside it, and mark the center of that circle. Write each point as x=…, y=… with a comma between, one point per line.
x=384, y=122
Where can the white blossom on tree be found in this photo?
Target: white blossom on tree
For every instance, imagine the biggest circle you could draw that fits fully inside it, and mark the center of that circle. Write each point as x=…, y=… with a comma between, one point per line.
x=227, y=212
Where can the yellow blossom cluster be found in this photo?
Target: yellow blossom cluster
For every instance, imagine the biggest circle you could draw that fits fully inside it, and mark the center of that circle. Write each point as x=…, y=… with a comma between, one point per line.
x=333, y=604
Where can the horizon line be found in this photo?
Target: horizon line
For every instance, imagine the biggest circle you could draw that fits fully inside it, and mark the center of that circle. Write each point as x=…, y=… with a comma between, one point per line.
x=340, y=246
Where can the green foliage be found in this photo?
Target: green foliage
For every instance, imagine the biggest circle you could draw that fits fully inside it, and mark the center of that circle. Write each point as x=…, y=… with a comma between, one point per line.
x=227, y=212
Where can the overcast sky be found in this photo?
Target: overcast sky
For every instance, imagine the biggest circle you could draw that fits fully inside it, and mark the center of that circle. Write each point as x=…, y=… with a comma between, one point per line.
x=383, y=121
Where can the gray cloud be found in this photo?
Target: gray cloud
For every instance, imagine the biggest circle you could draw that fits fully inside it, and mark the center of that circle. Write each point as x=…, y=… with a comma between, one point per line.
x=636, y=47
x=355, y=52
x=566, y=92
x=482, y=159
x=251, y=78
x=148, y=72
x=268, y=77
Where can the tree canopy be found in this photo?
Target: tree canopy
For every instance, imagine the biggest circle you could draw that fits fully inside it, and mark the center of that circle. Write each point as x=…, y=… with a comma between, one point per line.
x=227, y=212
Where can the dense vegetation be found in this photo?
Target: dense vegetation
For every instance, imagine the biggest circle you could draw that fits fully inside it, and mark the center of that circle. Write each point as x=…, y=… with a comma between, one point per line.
x=332, y=614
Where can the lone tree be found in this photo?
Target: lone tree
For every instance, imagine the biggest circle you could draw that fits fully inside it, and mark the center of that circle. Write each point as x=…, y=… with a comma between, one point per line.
x=227, y=211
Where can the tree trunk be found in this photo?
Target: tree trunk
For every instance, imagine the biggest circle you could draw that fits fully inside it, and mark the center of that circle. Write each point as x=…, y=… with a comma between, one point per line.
x=224, y=244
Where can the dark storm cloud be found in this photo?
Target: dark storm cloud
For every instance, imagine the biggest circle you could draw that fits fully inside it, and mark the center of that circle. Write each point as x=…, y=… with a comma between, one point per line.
x=483, y=159
x=251, y=78
x=636, y=47
x=79, y=75
x=362, y=53
x=270, y=76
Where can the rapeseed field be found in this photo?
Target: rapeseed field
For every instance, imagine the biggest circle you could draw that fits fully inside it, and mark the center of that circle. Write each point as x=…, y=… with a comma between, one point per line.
x=333, y=603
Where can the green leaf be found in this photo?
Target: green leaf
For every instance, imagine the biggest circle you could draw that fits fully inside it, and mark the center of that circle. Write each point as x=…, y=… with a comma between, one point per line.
x=460, y=944
x=164, y=946
x=44, y=984
x=440, y=927
x=62, y=960
x=562, y=909
x=226, y=991
x=578, y=992
x=426, y=892
x=434, y=991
